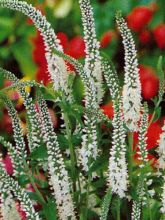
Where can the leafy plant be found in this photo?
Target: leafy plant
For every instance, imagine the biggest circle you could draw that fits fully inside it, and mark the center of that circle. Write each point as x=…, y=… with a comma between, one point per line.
x=73, y=160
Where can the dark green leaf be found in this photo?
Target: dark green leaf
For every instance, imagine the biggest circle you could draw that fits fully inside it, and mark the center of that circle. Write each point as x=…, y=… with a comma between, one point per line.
x=50, y=210
x=39, y=153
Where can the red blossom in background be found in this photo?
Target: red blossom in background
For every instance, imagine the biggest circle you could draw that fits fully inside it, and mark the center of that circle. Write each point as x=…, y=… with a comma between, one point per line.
x=153, y=135
x=14, y=95
x=139, y=17
x=5, y=123
x=106, y=38
x=63, y=40
x=108, y=110
x=20, y=211
x=75, y=48
x=149, y=82
x=8, y=164
x=159, y=35
x=40, y=60
x=145, y=36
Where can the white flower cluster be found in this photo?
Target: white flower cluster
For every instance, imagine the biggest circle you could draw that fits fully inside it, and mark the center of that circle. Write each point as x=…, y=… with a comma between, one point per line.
x=6, y=204
x=89, y=149
x=92, y=59
x=161, y=164
x=89, y=141
x=132, y=86
x=89, y=133
x=143, y=137
x=136, y=211
x=92, y=78
x=56, y=67
x=163, y=199
x=17, y=129
x=117, y=172
x=112, y=80
x=142, y=153
x=59, y=179
x=8, y=209
x=161, y=149
x=11, y=186
x=17, y=162
x=33, y=141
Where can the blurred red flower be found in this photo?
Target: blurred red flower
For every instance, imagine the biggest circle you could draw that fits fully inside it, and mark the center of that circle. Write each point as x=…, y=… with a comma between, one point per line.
x=108, y=110
x=159, y=35
x=8, y=164
x=149, y=82
x=5, y=123
x=153, y=135
x=139, y=17
x=145, y=36
x=20, y=211
x=107, y=38
x=75, y=48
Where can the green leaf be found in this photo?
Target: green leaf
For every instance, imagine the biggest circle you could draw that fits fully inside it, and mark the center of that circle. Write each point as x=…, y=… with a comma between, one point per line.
x=4, y=52
x=78, y=89
x=49, y=94
x=39, y=153
x=160, y=69
x=6, y=27
x=22, y=51
x=157, y=113
x=155, y=209
x=100, y=163
x=106, y=204
x=50, y=210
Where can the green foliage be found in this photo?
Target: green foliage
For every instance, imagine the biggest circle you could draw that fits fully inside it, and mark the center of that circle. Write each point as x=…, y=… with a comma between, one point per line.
x=55, y=159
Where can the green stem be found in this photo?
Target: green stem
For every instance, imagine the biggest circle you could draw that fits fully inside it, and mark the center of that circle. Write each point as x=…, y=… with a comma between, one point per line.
x=72, y=156
x=153, y=115
x=28, y=172
x=130, y=150
x=118, y=209
x=148, y=200
x=163, y=217
x=87, y=198
x=152, y=118
x=71, y=147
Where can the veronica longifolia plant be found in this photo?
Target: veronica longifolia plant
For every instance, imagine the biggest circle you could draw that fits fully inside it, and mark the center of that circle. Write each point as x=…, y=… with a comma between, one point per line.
x=74, y=160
